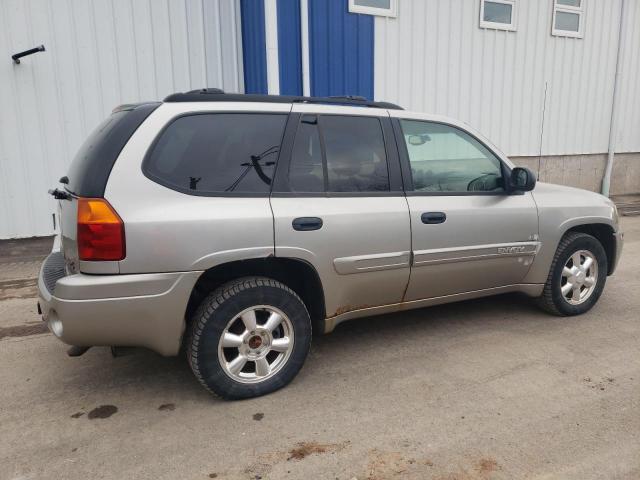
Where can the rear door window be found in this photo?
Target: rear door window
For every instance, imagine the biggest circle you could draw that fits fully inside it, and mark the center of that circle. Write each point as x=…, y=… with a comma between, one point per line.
x=217, y=153
x=306, y=172
x=339, y=153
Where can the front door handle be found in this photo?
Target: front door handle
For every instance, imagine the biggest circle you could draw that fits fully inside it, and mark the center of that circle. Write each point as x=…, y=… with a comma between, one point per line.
x=305, y=224
x=433, y=217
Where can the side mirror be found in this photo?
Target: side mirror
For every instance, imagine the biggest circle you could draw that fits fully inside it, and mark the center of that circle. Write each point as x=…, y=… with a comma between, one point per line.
x=522, y=180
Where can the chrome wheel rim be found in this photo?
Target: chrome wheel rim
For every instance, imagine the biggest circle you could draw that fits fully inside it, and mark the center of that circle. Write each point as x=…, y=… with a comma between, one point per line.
x=579, y=277
x=256, y=344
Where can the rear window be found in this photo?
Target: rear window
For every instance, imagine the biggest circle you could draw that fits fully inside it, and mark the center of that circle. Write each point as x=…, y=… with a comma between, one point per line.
x=90, y=168
x=217, y=153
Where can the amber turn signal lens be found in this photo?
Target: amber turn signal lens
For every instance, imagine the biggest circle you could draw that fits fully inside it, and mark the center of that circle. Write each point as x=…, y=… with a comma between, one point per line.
x=100, y=231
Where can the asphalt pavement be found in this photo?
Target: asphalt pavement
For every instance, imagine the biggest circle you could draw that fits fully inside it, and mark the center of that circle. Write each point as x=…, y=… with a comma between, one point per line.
x=484, y=389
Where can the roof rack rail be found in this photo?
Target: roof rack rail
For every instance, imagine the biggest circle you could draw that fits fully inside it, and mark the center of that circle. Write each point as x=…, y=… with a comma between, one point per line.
x=204, y=91
x=218, y=95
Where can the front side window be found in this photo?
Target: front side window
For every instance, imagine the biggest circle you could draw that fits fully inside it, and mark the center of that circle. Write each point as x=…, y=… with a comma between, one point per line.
x=445, y=159
x=498, y=14
x=568, y=18
x=217, y=153
x=340, y=154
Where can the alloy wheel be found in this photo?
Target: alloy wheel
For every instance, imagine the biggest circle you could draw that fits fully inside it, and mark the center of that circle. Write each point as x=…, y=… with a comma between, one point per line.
x=256, y=344
x=579, y=277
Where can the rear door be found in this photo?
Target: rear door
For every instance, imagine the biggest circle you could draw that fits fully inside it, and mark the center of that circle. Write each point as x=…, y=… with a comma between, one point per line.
x=338, y=204
x=468, y=233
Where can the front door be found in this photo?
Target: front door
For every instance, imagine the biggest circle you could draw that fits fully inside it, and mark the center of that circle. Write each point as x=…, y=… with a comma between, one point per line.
x=338, y=205
x=468, y=234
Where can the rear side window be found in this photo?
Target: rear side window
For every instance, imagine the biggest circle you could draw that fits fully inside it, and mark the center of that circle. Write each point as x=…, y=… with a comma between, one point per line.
x=217, y=153
x=335, y=153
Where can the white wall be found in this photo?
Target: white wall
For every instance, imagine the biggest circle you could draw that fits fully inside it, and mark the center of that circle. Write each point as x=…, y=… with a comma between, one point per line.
x=99, y=54
x=433, y=57
x=628, y=137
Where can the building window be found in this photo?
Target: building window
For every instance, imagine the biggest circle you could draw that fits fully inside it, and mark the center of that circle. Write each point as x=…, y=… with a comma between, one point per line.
x=498, y=14
x=383, y=8
x=568, y=18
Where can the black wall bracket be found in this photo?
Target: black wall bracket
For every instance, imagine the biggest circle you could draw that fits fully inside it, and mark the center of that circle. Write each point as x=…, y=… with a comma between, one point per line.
x=17, y=56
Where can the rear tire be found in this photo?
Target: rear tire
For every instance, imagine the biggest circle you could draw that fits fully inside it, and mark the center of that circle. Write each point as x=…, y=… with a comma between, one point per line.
x=577, y=276
x=248, y=338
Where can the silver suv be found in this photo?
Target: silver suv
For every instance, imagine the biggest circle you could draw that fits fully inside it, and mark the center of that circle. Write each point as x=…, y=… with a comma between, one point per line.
x=236, y=225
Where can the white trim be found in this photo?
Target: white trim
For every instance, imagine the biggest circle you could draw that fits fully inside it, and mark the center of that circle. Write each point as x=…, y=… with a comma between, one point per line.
x=568, y=9
x=304, y=47
x=392, y=11
x=271, y=40
x=511, y=27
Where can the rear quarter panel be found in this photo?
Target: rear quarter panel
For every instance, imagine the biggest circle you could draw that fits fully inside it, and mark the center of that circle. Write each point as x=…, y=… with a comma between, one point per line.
x=169, y=231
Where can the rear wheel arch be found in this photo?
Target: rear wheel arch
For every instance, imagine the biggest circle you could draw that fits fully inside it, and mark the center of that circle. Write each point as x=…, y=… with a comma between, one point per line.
x=297, y=274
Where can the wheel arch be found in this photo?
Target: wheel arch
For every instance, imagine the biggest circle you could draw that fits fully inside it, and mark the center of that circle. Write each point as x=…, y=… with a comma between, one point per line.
x=604, y=233
x=297, y=274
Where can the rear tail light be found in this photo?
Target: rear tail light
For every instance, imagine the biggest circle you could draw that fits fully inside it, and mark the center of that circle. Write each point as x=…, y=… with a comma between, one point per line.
x=100, y=231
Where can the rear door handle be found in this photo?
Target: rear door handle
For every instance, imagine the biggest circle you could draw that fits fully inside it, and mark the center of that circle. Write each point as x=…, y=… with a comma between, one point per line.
x=433, y=217
x=305, y=224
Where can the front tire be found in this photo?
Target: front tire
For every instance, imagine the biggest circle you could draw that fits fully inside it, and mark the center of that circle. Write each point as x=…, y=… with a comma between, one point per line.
x=577, y=276
x=248, y=338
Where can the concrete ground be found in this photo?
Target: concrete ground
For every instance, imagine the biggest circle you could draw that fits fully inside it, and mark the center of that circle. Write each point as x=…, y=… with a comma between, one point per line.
x=484, y=389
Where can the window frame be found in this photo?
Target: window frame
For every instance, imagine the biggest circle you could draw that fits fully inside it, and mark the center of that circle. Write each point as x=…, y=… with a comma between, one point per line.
x=405, y=164
x=196, y=193
x=580, y=11
x=509, y=27
x=392, y=11
x=281, y=186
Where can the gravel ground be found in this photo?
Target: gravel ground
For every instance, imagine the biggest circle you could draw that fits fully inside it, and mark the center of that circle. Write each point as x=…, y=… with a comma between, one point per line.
x=485, y=389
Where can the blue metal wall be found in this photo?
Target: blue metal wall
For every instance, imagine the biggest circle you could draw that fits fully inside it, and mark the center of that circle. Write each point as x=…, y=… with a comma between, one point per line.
x=341, y=50
x=289, y=47
x=254, y=46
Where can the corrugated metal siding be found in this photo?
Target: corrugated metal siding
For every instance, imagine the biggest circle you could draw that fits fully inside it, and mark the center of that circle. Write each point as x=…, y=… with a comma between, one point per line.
x=341, y=50
x=99, y=54
x=289, y=47
x=628, y=139
x=254, y=46
x=435, y=58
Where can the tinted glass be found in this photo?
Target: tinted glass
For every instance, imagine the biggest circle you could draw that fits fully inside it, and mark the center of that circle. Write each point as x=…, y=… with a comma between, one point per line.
x=497, y=12
x=572, y=3
x=305, y=171
x=446, y=159
x=218, y=153
x=355, y=154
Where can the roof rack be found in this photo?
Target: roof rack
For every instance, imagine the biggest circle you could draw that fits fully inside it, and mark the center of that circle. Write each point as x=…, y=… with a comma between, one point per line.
x=218, y=95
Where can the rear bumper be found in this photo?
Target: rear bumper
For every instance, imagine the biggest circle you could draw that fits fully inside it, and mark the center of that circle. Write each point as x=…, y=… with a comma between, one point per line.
x=142, y=310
